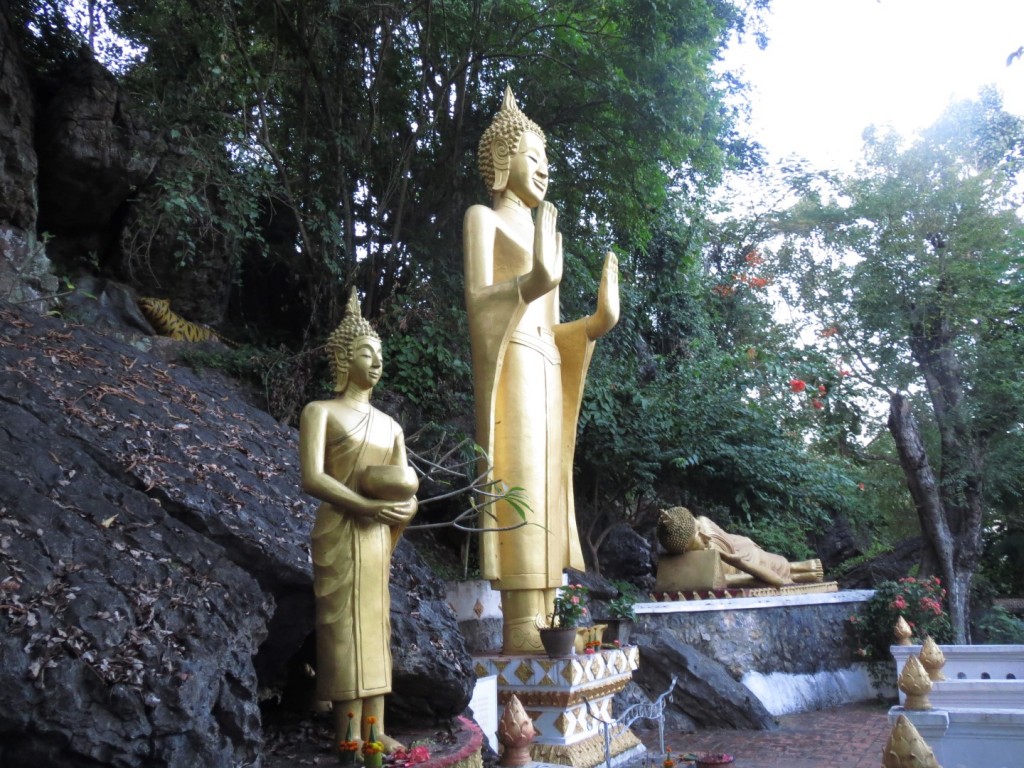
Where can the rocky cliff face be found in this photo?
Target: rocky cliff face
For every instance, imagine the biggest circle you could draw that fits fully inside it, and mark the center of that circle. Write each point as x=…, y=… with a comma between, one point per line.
x=155, y=572
x=24, y=268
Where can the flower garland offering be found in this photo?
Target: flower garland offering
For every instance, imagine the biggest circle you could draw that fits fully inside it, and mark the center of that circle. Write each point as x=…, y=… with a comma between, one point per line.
x=373, y=748
x=401, y=758
x=347, y=749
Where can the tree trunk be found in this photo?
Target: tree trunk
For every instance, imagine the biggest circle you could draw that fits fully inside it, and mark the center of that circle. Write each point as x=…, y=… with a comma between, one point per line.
x=924, y=489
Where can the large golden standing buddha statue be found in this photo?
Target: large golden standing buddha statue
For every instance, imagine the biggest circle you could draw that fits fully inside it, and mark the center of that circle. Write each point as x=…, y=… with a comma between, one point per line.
x=528, y=370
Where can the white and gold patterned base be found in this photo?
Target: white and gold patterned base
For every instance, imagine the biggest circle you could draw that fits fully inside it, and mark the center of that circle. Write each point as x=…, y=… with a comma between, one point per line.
x=554, y=693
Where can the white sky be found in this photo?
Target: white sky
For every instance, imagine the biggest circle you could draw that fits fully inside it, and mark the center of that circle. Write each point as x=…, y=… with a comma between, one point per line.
x=833, y=67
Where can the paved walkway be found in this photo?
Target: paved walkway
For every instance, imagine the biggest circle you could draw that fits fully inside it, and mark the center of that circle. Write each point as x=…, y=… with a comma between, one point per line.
x=850, y=736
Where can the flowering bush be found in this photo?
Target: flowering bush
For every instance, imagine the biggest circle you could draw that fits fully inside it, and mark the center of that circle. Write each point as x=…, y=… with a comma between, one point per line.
x=570, y=606
x=918, y=601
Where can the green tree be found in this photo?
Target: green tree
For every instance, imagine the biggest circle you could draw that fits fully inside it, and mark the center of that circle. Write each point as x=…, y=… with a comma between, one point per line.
x=355, y=124
x=691, y=399
x=911, y=270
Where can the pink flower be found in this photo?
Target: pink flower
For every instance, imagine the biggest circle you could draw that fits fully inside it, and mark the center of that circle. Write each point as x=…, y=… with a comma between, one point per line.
x=575, y=600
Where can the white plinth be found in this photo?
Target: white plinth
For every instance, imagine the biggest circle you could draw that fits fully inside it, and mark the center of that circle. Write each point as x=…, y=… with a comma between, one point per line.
x=485, y=707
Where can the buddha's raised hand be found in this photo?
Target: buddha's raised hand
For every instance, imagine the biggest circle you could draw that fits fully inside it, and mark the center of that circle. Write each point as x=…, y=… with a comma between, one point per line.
x=607, y=314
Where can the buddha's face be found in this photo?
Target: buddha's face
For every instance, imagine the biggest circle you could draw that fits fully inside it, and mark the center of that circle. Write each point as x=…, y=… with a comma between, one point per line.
x=528, y=170
x=365, y=362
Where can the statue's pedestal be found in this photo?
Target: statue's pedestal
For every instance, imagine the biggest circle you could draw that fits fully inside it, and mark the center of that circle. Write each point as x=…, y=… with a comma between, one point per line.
x=552, y=692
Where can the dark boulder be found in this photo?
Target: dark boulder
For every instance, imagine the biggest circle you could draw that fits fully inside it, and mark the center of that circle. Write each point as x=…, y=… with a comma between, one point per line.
x=837, y=543
x=155, y=578
x=433, y=672
x=18, y=164
x=127, y=638
x=706, y=693
x=627, y=555
x=598, y=587
x=92, y=156
x=25, y=273
x=888, y=566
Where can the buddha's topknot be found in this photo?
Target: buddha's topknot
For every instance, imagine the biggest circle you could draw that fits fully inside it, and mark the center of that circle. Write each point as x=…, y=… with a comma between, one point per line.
x=339, y=343
x=509, y=125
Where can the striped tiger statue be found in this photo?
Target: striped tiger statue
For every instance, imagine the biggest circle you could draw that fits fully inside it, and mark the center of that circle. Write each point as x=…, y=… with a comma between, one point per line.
x=167, y=323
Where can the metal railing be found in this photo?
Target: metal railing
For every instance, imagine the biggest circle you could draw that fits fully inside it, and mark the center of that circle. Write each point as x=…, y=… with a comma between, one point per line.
x=654, y=710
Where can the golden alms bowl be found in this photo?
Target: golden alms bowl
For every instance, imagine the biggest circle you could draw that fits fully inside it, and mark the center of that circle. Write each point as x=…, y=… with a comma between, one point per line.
x=389, y=482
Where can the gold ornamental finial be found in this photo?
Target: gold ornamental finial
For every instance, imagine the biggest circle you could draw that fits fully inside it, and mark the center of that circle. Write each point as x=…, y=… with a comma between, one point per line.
x=338, y=345
x=902, y=632
x=933, y=659
x=906, y=747
x=515, y=732
x=501, y=139
x=914, y=682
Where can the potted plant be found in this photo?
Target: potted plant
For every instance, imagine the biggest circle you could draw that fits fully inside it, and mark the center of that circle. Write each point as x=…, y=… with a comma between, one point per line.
x=620, y=616
x=559, y=637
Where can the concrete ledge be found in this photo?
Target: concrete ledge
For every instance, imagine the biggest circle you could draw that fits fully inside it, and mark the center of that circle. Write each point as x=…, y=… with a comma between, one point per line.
x=751, y=603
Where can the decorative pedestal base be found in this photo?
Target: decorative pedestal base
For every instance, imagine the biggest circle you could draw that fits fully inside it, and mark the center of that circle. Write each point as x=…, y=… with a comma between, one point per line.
x=553, y=690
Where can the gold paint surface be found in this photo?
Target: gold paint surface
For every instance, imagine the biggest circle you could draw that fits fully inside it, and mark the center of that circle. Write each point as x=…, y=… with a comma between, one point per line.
x=529, y=370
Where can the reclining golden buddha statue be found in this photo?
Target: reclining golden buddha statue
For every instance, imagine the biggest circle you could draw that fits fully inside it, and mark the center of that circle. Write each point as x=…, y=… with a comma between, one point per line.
x=703, y=556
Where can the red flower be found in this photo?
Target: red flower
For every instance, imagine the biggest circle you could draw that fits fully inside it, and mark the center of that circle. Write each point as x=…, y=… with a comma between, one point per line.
x=818, y=405
x=860, y=486
x=822, y=389
x=796, y=385
x=830, y=331
x=419, y=754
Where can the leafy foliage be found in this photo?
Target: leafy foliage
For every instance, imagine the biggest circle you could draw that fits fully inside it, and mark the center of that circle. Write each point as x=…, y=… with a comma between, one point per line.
x=912, y=267
x=918, y=601
x=999, y=627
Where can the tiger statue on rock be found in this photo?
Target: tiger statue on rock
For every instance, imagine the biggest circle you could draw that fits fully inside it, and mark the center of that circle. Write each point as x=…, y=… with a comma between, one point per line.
x=168, y=323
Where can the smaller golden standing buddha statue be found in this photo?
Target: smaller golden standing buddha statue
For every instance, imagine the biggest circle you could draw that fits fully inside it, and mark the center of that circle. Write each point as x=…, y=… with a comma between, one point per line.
x=353, y=459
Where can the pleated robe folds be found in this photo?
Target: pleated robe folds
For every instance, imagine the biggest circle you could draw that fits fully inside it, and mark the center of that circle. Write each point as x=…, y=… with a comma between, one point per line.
x=351, y=568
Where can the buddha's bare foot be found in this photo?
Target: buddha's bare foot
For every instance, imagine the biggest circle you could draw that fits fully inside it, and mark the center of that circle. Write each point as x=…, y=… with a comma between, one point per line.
x=808, y=572
x=390, y=745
